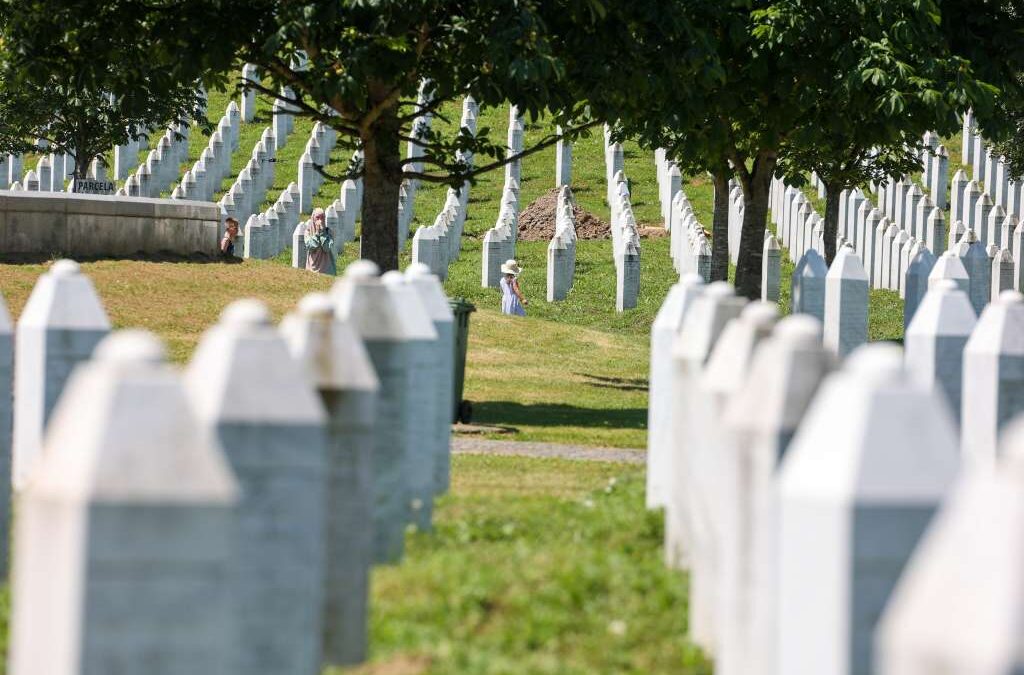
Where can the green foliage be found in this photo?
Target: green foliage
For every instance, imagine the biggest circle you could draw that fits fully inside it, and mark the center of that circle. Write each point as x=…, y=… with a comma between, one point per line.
x=54, y=86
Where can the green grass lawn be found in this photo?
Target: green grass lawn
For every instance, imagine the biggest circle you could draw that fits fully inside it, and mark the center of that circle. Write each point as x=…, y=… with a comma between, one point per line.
x=534, y=566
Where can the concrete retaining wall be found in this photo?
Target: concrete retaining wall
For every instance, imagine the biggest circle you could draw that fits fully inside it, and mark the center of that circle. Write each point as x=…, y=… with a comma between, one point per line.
x=75, y=225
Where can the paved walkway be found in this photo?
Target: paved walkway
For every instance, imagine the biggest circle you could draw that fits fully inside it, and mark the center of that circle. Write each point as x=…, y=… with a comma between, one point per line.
x=481, y=446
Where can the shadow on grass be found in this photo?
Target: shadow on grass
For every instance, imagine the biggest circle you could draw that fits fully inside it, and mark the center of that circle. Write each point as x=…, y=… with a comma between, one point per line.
x=557, y=414
x=620, y=383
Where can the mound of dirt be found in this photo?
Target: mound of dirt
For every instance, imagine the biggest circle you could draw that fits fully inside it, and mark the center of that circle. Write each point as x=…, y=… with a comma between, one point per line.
x=537, y=221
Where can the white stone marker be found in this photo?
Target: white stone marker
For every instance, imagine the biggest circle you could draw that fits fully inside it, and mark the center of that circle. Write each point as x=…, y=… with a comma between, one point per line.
x=666, y=326
x=993, y=390
x=697, y=336
x=957, y=609
x=266, y=415
x=6, y=423
x=948, y=266
x=935, y=341
x=1002, y=273
x=935, y=235
x=846, y=303
x=432, y=294
x=808, y=285
x=858, y=487
x=771, y=269
x=333, y=357
x=979, y=268
x=362, y=301
x=62, y=322
x=249, y=73
x=762, y=418
x=916, y=282
x=422, y=373
x=563, y=162
x=124, y=547
x=956, y=190
x=710, y=457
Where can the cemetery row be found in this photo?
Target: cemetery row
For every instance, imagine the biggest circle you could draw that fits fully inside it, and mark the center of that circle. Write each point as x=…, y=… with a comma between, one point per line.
x=224, y=519
x=842, y=514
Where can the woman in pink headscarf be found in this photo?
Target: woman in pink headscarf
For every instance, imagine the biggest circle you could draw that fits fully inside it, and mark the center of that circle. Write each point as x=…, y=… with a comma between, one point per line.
x=319, y=241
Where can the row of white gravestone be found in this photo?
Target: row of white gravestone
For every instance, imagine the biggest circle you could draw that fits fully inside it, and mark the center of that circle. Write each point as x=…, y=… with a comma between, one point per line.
x=990, y=172
x=561, y=262
x=317, y=153
x=53, y=173
x=439, y=244
x=688, y=244
x=911, y=251
x=224, y=521
x=410, y=185
x=203, y=180
x=163, y=162
x=796, y=493
x=625, y=238
x=625, y=246
x=436, y=245
x=499, y=243
x=266, y=234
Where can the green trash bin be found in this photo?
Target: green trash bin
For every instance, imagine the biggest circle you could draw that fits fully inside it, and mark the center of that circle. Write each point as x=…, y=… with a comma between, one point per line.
x=462, y=411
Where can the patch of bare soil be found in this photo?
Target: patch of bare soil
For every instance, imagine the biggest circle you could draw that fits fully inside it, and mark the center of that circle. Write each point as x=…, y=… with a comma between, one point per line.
x=537, y=221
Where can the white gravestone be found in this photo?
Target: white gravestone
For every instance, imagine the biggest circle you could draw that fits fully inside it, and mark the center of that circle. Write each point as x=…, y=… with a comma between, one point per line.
x=936, y=338
x=711, y=458
x=762, y=418
x=846, y=303
x=333, y=357
x=702, y=325
x=979, y=268
x=124, y=549
x=916, y=282
x=958, y=608
x=362, y=301
x=857, y=488
x=993, y=387
x=425, y=407
x=266, y=415
x=432, y=294
x=60, y=325
x=808, y=285
x=666, y=325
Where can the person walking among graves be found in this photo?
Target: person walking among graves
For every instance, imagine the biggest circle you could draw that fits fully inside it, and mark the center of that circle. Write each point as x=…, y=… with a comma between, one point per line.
x=512, y=300
x=227, y=244
x=319, y=242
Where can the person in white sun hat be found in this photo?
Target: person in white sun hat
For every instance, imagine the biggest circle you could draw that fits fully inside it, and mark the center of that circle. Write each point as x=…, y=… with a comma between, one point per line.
x=512, y=300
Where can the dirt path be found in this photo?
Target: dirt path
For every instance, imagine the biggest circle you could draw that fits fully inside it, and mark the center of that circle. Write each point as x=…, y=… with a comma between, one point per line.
x=481, y=446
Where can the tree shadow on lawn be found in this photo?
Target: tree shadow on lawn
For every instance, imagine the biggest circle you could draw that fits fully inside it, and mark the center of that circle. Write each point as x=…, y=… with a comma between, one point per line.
x=557, y=415
x=620, y=383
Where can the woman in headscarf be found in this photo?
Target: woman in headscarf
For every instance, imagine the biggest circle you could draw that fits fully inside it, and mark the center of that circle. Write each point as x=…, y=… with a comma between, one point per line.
x=319, y=241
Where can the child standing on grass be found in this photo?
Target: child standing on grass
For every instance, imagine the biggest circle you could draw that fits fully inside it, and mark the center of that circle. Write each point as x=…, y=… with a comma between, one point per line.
x=512, y=300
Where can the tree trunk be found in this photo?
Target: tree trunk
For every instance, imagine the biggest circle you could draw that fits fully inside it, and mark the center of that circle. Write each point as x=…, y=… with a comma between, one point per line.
x=382, y=178
x=81, y=164
x=831, y=226
x=720, y=228
x=755, y=217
